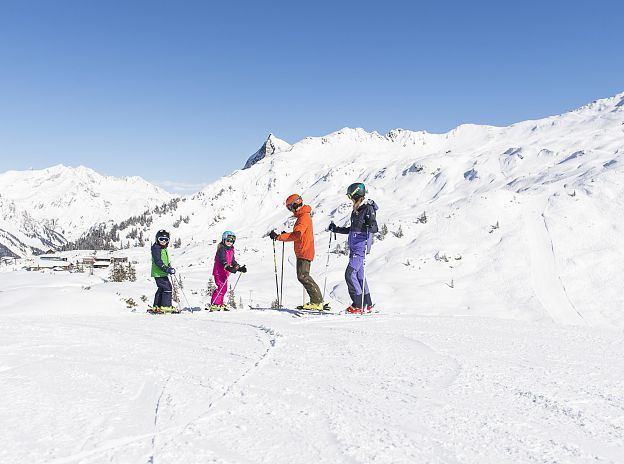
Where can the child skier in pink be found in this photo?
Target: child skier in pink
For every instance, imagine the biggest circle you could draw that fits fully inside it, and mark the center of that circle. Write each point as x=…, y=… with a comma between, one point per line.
x=224, y=264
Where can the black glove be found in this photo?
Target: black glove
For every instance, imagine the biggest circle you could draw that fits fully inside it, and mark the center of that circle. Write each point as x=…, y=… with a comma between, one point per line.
x=231, y=269
x=242, y=268
x=170, y=270
x=332, y=227
x=273, y=235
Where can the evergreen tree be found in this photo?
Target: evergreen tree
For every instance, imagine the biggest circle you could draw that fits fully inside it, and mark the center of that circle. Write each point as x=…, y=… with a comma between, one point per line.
x=117, y=273
x=231, y=299
x=383, y=232
x=175, y=291
x=131, y=272
x=211, y=287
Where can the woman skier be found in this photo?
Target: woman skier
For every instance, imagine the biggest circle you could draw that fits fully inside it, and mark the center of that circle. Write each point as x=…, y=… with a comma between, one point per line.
x=224, y=264
x=363, y=226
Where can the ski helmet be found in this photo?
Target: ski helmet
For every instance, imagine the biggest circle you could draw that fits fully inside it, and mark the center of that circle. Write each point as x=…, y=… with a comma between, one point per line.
x=228, y=235
x=294, y=202
x=355, y=191
x=162, y=233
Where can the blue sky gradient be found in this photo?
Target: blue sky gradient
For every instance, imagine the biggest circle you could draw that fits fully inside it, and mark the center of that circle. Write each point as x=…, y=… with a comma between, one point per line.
x=183, y=92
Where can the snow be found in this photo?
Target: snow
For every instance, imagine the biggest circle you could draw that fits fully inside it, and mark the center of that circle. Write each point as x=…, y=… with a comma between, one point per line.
x=499, y=336
x=64, y=202
x=85, y=380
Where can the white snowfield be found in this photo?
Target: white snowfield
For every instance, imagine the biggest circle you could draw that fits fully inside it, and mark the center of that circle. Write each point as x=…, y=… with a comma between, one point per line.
x=83, y=380
x=45, y=208
x=499, y=337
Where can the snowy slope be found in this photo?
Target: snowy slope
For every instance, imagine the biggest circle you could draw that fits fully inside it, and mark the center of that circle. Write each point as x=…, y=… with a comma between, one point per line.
x=517, y=216
x=70, y=200
x=21, y=234
x=46, y=208
x=84, y=380
x=499, y=336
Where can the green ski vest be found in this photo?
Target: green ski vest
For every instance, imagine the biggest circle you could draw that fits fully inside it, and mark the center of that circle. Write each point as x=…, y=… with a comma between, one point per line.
x=156, y=271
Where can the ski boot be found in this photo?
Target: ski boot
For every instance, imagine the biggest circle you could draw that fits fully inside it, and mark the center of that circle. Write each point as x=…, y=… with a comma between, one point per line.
x=315, y=307
x=169, y=310
x=354, y=310
x=216, y=307
x=312, y=306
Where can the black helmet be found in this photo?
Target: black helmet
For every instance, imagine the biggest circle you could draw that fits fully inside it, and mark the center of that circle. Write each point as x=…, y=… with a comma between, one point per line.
x=355, y=191
x=162, y=233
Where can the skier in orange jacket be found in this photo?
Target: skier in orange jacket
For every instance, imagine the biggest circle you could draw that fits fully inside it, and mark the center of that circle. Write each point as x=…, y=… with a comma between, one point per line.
x=303, y=236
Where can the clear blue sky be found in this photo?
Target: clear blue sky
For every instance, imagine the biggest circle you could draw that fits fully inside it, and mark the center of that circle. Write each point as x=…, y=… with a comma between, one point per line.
x=185, y=91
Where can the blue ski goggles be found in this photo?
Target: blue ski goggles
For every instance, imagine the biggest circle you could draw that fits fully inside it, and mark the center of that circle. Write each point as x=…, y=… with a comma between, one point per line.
x=163, y=239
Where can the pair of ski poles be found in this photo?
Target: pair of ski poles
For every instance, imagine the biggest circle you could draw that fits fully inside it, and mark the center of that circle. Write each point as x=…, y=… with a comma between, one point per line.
x=327, y=263
x=223, y=285
x=277, y=285
x=280, y=288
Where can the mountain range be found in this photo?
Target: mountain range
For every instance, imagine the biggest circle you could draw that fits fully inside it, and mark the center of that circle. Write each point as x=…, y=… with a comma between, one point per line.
x=523, y=218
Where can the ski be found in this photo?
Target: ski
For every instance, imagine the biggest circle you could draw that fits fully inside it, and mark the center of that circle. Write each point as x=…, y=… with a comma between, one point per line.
x=295, y=312
x=326, y=307
x=168, y=310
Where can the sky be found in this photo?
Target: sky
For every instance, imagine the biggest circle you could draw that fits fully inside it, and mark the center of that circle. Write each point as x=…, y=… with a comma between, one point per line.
x=182, y=93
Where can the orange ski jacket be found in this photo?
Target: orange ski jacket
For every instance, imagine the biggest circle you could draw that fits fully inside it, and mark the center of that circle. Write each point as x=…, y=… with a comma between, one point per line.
x=302, y=234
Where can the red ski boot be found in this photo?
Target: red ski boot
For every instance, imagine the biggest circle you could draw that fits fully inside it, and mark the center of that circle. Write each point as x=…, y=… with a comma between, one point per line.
x=354, y=310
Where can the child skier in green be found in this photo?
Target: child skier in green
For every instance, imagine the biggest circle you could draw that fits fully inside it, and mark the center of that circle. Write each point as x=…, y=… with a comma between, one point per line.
x=161, y=269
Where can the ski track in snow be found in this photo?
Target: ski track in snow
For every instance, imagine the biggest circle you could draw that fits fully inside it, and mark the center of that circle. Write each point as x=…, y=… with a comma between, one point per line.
x=263, y=387
x=547, y=283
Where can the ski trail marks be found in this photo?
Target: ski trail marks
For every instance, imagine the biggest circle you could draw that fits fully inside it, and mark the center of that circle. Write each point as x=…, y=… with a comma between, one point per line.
x=156, y=410
x=545, y=278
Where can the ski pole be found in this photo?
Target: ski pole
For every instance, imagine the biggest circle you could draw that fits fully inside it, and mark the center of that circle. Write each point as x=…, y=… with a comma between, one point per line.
x=282, y=278
x=364, y=269
x=236, y=283
x=327, y=264
x=276, y=281
x=179, y=279
x=218, y=292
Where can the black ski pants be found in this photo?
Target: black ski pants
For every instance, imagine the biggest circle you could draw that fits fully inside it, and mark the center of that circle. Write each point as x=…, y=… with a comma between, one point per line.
x=163, y=294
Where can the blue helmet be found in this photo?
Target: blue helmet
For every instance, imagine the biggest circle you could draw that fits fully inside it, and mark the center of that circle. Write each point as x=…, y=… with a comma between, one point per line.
x=228, y=234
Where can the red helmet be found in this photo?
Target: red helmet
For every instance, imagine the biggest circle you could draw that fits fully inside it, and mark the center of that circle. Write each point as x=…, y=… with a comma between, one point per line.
x=294, y=202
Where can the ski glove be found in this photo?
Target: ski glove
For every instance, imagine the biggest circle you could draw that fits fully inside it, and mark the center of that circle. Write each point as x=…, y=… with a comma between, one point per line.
x=242, y=269
x=170, y=270
x=231, y=269
x=332, y=227
x=273, y=235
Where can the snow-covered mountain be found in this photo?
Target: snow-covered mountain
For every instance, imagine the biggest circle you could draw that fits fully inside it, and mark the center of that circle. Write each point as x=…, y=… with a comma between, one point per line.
x=45, y=208
x=272, y=146
x=521, y=218
x=508, y=229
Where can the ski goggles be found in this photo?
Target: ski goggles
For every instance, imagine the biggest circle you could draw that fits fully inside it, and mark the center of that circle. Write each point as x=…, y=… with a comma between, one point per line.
x=353, y=195
x=230, y=238
x=163, y=239
x=293, y=205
